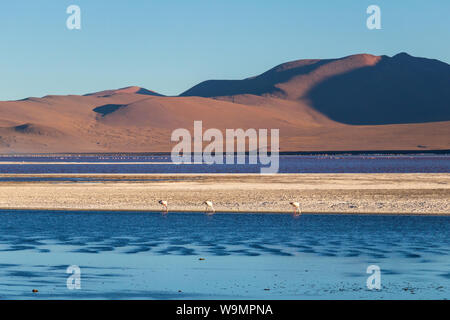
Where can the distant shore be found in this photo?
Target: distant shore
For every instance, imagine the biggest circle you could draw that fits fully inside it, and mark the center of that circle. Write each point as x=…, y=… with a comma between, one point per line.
x=253, y=193
x=282, y=153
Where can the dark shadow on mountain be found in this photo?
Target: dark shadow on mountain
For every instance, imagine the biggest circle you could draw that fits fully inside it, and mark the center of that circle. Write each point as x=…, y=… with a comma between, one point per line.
x=262, y=84
x=24, y=128
x=32, y=129
x=108, y=108
x=401, y=89
x=148, y=92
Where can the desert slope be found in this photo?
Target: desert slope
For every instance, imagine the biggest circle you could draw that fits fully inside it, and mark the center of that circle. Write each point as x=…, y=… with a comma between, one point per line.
x=359, y=89
x=292, y=97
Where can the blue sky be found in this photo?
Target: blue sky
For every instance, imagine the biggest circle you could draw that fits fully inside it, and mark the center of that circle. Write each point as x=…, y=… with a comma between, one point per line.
x=170, y=45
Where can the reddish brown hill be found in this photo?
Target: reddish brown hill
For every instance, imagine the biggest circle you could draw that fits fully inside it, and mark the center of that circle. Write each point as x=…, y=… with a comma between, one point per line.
x=360, y=89
x=303, y=99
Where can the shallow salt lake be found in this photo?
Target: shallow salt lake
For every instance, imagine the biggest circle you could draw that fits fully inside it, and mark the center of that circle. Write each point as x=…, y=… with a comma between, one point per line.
x=136, y=164
x=125, y=255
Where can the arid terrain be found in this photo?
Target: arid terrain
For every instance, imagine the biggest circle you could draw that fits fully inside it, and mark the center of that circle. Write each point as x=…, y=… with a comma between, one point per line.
x=360, y=102
x=317, y=193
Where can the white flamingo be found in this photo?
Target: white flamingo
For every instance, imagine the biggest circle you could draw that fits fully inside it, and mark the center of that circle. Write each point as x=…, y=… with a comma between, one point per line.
x=164, y=204
x=209, y=208
x=296, y=206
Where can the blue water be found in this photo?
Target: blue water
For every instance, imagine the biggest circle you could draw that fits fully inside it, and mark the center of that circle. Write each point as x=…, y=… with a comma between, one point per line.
x=247, y=256
x=427, y=163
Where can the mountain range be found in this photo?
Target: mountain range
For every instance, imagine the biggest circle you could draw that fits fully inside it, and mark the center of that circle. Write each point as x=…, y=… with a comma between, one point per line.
x=355, y=103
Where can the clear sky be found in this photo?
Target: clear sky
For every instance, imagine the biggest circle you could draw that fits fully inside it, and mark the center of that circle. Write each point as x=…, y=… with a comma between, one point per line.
x=170, y=45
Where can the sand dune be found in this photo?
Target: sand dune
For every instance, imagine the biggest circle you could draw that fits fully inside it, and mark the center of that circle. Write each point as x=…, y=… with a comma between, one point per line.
x=293, y=97
x=289, y=80
x=132, y=89
x=359, y=89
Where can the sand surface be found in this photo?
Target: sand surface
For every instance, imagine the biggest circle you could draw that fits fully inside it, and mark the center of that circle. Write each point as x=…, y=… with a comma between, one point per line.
x=318, y=193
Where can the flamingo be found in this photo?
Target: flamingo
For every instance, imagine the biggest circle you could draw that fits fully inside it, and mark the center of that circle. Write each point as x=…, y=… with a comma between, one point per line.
x=209, y=208
x=164, y=204
x=296, y=206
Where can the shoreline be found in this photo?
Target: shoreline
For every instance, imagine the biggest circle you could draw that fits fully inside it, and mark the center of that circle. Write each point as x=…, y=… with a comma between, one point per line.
x=444, y=151
x=131, y=211
x=322, y=193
